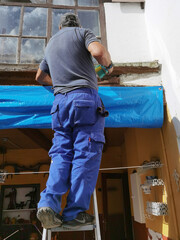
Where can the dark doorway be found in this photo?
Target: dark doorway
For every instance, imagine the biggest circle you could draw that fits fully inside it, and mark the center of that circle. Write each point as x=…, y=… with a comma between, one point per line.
x=116, y=207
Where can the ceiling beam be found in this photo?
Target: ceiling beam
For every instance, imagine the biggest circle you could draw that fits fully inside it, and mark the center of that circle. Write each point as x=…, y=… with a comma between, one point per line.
x=36, y=136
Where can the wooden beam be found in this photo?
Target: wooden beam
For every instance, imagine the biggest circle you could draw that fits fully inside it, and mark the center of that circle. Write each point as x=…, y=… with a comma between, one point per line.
x=25, y=74
x=18, y=78
x=36, y=136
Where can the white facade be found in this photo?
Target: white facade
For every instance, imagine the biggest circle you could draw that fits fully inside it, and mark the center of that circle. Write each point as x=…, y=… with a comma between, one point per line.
x=137, y=35
x=126, y=32
x=163, y=25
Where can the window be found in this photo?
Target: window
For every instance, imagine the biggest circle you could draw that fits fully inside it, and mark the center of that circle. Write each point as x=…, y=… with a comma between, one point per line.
x=27, y=25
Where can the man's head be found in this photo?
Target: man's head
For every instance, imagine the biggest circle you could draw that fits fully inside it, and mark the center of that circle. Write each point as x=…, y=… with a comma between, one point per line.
x=69, y=20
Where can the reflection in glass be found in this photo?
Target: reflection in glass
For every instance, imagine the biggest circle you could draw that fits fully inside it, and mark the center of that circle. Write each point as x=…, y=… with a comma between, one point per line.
x=88, y=3
x=32, y=50
x=8, y=49
x=64, y=2
x=35, y=20
x=56, y=14
x=23, y=1
x=9, y=19
x=90, y=19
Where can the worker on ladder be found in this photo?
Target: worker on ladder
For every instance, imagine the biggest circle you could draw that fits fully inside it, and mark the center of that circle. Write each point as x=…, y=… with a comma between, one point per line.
x=78, y=126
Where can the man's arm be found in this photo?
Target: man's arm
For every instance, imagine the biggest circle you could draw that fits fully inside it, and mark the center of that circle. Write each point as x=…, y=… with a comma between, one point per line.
x=99, y=52
x=43, y=78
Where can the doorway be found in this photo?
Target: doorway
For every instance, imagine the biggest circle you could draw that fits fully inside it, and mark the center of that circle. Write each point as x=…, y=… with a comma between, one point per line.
x=116, y=207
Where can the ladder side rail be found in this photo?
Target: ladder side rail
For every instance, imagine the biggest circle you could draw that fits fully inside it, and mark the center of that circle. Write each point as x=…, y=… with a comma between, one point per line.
x=44, y=236
x=49, y=234
x=97, y=229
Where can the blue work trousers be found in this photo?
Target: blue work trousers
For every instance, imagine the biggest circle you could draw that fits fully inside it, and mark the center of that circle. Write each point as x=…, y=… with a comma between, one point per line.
x=76, y=151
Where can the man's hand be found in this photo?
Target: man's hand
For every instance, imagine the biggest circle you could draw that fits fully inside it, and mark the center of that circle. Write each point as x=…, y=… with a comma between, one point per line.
x=43, y=78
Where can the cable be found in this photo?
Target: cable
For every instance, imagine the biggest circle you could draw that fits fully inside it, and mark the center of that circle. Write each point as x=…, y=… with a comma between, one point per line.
x=101, y=169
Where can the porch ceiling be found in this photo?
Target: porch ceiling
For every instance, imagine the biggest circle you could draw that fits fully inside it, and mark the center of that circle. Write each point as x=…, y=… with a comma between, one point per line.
x=42, y=138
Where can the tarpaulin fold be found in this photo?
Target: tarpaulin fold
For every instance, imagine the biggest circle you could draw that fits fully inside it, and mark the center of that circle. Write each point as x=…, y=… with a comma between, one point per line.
x=29, y=106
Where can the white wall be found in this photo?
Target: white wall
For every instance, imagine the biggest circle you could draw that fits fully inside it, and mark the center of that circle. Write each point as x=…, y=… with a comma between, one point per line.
x=163, y=25
x=126, y=33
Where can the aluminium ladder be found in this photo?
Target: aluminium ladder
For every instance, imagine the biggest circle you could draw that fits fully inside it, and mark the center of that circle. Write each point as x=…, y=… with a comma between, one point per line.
x=95, y=226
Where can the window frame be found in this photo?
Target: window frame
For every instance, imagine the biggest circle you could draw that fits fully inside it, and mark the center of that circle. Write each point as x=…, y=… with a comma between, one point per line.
x=50, y=6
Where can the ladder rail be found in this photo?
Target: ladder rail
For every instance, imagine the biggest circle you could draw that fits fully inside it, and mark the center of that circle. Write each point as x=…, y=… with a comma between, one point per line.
x=97, y=229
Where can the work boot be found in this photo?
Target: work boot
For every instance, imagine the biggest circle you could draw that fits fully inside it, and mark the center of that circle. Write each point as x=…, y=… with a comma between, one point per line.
x=82, y=219
x=48, y=218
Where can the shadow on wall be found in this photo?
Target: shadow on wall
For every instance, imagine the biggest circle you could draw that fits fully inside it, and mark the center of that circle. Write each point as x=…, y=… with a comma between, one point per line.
x=171, y=131
x=176, y=123
x=131, y=8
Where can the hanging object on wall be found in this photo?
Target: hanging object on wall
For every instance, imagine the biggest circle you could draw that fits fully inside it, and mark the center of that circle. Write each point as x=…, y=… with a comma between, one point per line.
x=157, y=208
x=155, y=182
x=33, y=198
x=177, y=179
x=152, y=235
x=12, y=198
x=151, y=181
x=153, y=163
x=3, y=175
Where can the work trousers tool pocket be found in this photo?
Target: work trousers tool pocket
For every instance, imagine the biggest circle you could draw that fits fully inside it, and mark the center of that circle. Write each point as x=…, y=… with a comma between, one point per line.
x=96, y=142
x=84, y=112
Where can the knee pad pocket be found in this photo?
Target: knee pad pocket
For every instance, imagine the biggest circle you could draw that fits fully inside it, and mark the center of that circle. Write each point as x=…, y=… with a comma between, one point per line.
x=96, y=142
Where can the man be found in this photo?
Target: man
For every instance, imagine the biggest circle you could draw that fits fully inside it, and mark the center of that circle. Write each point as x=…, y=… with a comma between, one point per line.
x=79, y=128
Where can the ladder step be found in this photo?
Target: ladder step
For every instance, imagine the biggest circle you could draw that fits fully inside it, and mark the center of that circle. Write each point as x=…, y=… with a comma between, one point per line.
x=82, y=228
x=47, y=232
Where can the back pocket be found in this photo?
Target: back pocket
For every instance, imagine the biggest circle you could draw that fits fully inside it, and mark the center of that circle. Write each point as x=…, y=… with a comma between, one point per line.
x=85, y=112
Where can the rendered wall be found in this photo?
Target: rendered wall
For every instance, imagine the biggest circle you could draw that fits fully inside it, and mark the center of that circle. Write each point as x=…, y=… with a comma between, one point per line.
x=126, y=32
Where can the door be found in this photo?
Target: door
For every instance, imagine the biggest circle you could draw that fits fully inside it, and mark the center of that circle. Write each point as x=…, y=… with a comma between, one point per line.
x=116, y=207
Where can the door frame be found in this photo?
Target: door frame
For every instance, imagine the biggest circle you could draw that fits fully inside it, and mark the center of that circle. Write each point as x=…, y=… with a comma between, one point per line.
x=126, y=199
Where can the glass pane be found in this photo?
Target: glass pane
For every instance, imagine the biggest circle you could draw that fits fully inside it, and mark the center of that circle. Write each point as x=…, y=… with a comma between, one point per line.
x=88, y=3
x=9, y=19
x=8, y=49
x=32, y=50
x=90, y=19
x=64, y=2
x=35, y=20
x=23, y=1
x=56, y=14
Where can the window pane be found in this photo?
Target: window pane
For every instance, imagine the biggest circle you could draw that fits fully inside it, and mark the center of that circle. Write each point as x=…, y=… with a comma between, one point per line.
x=88, y=3
x=64, y=2
x=8, y=49
x=56, y=18
x=23, y=1
x=90, y=19
x=32, y=50
x=35, y=20
x=9, y=20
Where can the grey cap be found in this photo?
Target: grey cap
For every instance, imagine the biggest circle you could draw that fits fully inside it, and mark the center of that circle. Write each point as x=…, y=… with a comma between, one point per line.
x=69, y=20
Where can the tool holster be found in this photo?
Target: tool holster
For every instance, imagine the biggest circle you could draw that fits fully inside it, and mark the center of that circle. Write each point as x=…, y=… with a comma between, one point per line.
x=102, y=110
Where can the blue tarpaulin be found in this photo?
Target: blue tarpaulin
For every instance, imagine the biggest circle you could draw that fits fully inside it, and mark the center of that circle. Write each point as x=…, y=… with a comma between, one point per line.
x=29, y=106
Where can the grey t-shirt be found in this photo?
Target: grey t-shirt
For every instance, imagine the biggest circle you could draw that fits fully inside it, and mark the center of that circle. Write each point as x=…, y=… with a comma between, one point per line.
x=68, y=61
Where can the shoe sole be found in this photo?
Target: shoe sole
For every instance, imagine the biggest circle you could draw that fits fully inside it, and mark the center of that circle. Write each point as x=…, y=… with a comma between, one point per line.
x=48, y=219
